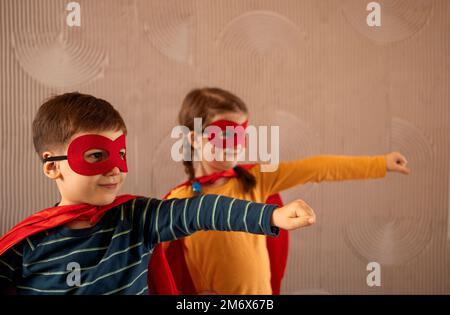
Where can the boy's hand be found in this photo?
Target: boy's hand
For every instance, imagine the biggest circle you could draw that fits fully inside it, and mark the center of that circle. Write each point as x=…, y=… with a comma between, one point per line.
x=395, y=162
x=294, y=215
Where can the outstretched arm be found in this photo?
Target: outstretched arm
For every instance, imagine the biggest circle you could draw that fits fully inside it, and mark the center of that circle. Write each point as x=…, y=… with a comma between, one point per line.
x=166, y=220
x=328, y=168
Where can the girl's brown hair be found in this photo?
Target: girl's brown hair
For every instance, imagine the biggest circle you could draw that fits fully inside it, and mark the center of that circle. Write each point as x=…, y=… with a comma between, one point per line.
x=205, y=103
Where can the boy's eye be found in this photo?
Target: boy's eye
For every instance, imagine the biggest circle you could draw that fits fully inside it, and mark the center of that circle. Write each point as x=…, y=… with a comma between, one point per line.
x=95, y=156
x=122, y=154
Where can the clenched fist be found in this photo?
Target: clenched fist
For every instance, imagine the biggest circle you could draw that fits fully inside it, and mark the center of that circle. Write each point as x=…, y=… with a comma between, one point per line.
x=396, y=162
x=294, y=215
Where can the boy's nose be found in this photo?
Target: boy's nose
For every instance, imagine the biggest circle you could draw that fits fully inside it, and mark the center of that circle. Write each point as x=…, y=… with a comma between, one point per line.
x=113, y=172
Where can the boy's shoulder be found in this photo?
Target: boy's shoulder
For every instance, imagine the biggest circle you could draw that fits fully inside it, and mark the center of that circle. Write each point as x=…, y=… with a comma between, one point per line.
x=61, y=232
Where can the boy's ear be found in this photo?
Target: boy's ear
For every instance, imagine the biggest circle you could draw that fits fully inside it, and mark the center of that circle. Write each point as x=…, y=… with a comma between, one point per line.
x=51, y=169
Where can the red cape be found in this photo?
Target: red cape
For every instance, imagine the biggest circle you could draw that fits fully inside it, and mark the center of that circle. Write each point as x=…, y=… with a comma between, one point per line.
x=160, y=279
x=276, y=246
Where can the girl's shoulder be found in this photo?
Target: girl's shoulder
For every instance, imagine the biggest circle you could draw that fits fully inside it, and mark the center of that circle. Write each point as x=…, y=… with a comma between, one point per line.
x=254, y=169
x=251, y=168
x=182, y=191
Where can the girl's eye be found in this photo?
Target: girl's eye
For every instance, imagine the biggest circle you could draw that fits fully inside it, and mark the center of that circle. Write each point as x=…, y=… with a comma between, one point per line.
x=227, y=134
x=122, y=155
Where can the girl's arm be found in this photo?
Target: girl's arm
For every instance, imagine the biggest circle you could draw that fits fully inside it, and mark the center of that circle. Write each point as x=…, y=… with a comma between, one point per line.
x=328, y=168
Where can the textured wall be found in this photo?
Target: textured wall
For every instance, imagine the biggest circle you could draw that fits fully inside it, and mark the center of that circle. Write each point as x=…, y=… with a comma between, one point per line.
x=315, y=68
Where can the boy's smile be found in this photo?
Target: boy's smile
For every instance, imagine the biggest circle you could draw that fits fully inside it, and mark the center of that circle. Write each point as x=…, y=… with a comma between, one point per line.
x=109, y=186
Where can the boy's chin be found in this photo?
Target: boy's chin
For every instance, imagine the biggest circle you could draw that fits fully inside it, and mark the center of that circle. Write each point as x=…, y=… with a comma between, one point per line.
x=104, y=200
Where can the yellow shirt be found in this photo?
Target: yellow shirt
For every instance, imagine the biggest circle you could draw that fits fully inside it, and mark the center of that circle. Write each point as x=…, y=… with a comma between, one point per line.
x=238, y=262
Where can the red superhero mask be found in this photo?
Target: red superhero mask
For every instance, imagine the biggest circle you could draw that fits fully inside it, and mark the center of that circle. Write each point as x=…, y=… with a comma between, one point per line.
x=109, y=153
x=228, y=129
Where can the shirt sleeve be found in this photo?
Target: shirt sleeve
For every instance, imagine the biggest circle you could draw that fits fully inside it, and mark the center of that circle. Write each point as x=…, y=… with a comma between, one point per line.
x=167, y=220
x=10, y=267
x=318, y=169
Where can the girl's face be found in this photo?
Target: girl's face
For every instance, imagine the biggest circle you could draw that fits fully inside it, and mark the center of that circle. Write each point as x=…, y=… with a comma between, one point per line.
x=219, y=159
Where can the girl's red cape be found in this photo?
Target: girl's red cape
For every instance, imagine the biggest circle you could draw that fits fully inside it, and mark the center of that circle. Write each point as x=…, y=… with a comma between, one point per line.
x=276, y=246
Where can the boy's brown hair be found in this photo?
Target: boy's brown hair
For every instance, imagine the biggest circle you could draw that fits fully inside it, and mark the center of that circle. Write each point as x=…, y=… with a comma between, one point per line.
x=62, y=116
x=205, y=103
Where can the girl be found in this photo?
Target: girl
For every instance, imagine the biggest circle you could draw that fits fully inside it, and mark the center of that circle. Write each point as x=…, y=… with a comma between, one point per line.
x=236, y=262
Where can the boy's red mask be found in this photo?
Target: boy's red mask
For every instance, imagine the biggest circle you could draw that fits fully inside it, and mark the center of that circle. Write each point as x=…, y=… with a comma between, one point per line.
x=79, y=146
x=232, y=130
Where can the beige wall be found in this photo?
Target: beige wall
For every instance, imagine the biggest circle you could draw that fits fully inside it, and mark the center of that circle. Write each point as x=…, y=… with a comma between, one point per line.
x=332, y=84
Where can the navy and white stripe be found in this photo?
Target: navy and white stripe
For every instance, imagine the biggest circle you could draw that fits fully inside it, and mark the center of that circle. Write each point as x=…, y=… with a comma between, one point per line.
x=113, y=255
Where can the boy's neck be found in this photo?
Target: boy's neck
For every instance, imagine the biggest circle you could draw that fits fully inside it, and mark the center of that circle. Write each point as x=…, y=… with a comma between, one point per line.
x=65, y=202
x=76, y=224
x=79, y=224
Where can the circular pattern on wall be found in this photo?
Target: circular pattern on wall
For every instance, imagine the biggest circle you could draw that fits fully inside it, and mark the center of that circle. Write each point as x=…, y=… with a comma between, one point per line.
x=57, y=61
x=297, y=140
x=402, y=226
x=170, y=28
x=400, y=19
x=166, y=173
x=261, y=33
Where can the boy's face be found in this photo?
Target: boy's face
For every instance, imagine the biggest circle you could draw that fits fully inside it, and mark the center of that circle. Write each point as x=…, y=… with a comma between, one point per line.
x=75, y=188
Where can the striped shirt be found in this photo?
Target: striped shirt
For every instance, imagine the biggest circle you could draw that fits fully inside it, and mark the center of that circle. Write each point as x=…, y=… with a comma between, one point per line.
x=112, y=257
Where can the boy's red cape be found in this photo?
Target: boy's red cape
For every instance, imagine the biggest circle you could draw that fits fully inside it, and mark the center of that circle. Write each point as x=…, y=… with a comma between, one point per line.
x=276, y=246
x=160, y=280
x=162, y=275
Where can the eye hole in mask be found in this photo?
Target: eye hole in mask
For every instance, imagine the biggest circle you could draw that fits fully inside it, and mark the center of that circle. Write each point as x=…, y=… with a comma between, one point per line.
x=230, y=129
x=99, y=155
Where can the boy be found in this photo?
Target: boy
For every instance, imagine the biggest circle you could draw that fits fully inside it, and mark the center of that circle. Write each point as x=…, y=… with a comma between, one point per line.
x=93, y=241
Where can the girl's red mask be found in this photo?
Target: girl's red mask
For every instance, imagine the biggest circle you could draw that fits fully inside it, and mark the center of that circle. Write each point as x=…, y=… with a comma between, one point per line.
x=228, y=128
x=79, y=146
